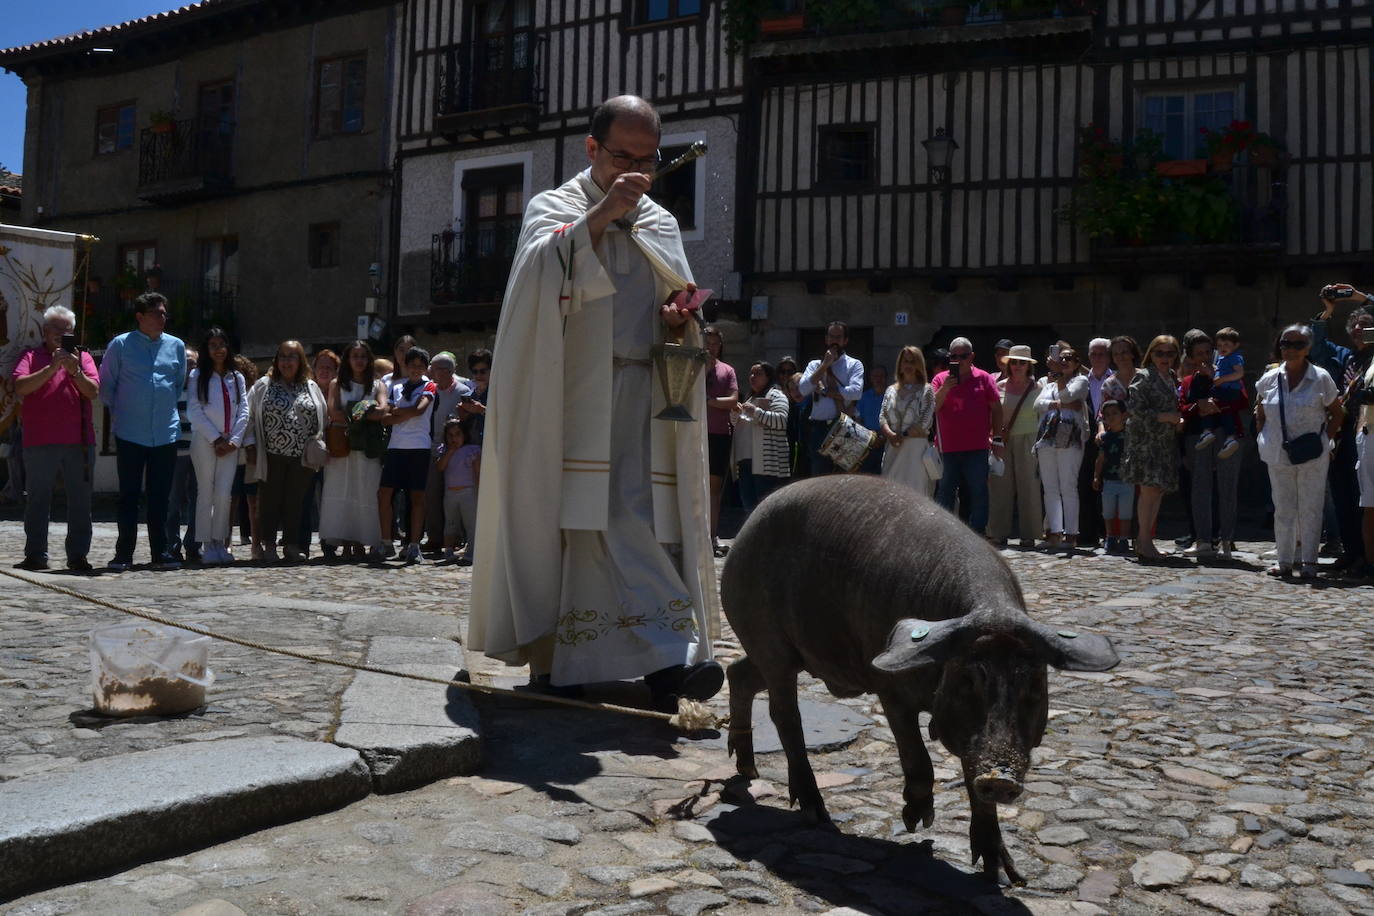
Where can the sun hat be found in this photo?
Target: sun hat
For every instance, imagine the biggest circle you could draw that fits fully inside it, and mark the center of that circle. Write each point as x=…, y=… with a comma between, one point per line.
x=1021, y=352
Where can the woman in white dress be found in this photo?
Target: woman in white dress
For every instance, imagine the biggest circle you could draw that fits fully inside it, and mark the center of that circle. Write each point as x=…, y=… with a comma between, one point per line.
x=907, y=414
x=348, y=508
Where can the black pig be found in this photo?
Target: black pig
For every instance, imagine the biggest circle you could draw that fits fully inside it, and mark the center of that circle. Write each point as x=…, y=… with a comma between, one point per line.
x=875, y=589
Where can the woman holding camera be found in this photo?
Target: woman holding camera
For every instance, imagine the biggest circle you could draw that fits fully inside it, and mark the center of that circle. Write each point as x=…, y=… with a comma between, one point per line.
x=1297, y=412
x=1062, y=408
x=1017, y=484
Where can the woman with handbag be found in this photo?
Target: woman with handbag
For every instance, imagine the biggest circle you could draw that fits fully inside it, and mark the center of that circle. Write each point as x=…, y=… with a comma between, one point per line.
x=218, y=412
x=1297, y=411
x=287, y=417
x=348, y=508
x=1018, y=485
x=1150, y=458
x=1062, y=408
x=905, y=420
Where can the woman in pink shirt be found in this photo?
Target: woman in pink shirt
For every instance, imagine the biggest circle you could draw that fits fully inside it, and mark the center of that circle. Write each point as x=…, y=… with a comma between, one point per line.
x=57, y=384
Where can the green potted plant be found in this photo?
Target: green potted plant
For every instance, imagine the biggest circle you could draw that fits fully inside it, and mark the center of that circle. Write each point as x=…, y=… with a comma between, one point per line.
x=127, y=283
x=162, y=121
x=1223, y=145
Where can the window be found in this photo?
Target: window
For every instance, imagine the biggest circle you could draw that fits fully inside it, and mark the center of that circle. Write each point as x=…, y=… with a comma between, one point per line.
x=677, y=192
x=140, y=256
x=324, y=245
x=340, y=85
x=845, y=156
x=1180, y=115
x=219, y=277
x=663, y=10
x=114, y=128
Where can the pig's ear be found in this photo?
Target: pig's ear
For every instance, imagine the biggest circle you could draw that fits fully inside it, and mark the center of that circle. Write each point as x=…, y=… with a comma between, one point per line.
x=1073, y=650
x=917, y=643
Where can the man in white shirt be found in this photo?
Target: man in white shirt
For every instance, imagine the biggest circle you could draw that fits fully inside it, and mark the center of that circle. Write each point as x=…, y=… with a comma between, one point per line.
x=835, y=382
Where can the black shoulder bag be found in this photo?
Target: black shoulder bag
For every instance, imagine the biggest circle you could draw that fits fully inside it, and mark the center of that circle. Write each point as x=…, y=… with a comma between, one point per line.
x=1305, y=448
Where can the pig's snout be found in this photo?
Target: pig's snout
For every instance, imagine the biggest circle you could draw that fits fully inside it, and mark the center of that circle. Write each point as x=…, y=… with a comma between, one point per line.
x=997, y=786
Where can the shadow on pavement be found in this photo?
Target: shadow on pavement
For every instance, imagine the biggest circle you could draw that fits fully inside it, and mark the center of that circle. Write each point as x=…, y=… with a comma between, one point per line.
x=867, y=874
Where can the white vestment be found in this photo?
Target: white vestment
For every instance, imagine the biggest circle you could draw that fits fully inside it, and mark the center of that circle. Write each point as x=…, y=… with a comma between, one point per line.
x=580, y=490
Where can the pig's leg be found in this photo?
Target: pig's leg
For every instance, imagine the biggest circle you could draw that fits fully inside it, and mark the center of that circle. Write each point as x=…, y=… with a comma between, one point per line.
x=985, y=837
x=919, y=783
x=801, y=781
x=745, y=683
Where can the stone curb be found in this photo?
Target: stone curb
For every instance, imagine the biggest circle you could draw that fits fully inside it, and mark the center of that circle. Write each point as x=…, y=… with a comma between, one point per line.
x=99, y=815
x=410, y=733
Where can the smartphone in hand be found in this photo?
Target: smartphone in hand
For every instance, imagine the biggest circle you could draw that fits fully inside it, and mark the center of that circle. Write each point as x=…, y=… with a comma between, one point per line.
x=690, y=301
x=69, y=342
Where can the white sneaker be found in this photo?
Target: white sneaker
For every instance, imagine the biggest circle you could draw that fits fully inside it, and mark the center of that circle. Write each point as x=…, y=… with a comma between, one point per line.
x=1200, y=550
x=1205, y=440
x=1229, y=447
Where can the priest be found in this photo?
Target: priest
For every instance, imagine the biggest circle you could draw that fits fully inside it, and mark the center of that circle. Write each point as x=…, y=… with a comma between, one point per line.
x=594, y=562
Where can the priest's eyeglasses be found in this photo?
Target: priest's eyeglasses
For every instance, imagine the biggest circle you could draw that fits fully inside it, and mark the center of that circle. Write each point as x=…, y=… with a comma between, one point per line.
x=623, y=160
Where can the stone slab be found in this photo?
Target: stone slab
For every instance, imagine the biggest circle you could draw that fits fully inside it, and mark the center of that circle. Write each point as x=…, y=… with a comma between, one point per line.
x=826, y=726
x=410, y=733
x=81, y=820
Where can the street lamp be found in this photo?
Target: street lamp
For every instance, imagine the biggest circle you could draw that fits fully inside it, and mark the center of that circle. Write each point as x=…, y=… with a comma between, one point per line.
x=940, y=153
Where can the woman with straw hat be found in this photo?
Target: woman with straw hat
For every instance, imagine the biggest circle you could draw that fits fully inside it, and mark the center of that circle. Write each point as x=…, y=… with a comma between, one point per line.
x=1017, y=485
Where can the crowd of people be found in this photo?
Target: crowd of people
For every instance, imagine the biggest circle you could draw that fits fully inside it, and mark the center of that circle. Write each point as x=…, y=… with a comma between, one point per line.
x=363, y=452
x=1065, y=450
x=1083, y=454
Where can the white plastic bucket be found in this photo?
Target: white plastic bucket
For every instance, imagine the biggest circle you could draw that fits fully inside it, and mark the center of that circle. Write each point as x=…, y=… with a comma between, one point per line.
x=147, y=669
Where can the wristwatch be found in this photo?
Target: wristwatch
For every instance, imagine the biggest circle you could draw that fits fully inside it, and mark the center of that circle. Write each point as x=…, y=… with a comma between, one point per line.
x=997, y=440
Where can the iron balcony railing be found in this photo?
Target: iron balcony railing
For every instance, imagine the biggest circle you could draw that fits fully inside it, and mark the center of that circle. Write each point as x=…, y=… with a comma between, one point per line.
x=494, y=72
x=470, y=267
x=187, y=150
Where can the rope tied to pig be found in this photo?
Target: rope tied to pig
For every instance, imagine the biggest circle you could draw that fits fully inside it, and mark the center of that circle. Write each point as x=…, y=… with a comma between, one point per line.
x=691, y=715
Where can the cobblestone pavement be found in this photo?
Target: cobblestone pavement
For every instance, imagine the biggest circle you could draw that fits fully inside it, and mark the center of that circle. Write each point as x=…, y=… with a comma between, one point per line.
x=1224, y=766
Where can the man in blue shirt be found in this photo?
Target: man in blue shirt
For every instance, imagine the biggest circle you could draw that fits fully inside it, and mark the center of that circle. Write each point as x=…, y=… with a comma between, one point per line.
x=141, y=378
x=870, y=407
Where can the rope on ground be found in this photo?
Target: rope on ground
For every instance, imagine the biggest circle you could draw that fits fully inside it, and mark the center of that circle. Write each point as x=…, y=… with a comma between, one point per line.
x=691, y=715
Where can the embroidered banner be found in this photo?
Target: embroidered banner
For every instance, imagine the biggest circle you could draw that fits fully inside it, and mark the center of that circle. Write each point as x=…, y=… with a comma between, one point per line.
x=36, y=271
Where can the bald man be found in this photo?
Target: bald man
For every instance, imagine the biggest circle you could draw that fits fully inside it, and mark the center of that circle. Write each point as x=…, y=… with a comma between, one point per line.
x=594, y=562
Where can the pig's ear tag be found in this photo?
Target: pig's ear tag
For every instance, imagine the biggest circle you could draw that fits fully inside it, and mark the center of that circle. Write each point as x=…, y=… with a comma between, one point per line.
x=1068, y=634
x=919, y=633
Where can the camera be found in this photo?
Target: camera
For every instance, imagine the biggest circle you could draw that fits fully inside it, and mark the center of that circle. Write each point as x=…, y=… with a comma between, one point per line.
x=1331, y=292
x=69, y=342
x=1367, y=335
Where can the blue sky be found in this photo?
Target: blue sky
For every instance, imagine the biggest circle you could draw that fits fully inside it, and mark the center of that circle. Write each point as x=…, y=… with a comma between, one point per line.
x=24, y=23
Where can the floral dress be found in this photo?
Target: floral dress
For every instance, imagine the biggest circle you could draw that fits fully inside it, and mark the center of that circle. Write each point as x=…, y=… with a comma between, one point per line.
x=1151, y=454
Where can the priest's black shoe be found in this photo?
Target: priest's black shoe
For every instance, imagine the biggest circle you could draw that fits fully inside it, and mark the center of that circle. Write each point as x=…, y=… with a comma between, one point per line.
x=695, y=682
x=539, y=683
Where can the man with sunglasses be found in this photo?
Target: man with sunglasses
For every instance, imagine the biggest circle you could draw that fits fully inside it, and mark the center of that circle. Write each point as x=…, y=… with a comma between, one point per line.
x=595, y=562
x=968, y=415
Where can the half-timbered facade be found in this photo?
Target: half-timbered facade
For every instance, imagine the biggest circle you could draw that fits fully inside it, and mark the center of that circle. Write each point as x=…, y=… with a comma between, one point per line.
x=494, y=102
x=844, y=215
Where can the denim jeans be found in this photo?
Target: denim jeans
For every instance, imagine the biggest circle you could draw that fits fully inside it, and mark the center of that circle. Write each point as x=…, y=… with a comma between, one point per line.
x=970, y=469
x=77, y=464
x=816, y=431
x=143, y=468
